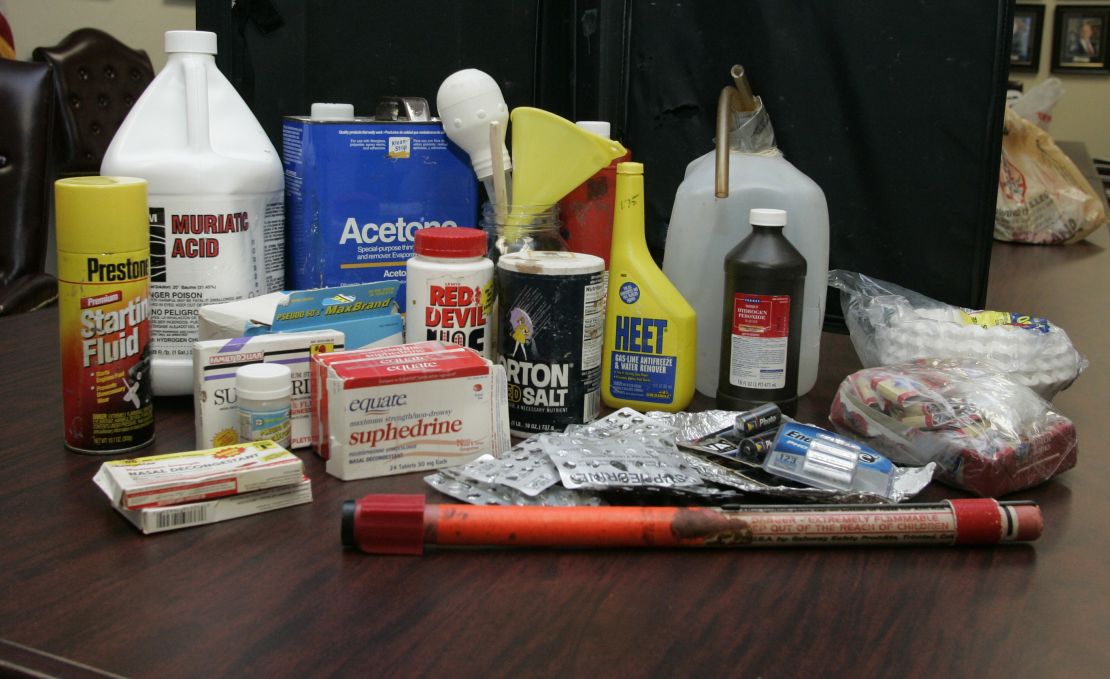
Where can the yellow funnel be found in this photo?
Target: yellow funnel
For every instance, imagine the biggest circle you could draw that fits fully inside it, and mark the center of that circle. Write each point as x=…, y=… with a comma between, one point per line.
x=552, y=156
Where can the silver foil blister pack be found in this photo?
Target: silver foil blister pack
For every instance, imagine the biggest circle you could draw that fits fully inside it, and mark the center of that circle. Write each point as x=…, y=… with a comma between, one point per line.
x=636, y=458
x=526, y=468
x=452, y=483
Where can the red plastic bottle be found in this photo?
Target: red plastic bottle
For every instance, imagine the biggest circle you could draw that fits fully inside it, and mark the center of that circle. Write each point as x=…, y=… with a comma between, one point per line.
x=587, y=211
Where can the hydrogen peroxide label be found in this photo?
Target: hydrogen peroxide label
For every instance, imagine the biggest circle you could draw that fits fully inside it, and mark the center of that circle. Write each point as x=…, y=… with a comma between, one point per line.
x=209, y=250
x=105, y=337
x=642, y=369
x=760, y=331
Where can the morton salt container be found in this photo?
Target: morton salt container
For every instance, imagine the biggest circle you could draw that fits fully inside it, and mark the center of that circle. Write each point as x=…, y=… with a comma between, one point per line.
x=215, y=193
x=551, y=307
x=710, y=216
x=103, y=308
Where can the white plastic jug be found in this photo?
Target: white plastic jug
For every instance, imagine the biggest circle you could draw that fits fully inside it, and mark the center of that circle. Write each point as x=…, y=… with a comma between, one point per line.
x=704, y=227
x=216, y=197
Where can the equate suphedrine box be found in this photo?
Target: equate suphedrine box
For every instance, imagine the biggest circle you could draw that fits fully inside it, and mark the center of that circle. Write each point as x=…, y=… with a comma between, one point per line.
x=392, y=413
x=319, y=372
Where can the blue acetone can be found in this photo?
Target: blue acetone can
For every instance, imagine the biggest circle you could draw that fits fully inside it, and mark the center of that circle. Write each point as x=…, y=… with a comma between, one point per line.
x=358, y=189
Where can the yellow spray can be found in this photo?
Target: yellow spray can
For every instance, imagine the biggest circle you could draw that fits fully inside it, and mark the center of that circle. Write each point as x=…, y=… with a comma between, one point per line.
x=104, y=312
x=648, y=359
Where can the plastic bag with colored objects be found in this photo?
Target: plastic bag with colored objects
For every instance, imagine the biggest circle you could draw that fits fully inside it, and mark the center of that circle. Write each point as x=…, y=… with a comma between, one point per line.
x=986, y=433
x=1042, y=196
x=890, y=324
x=1036, y=104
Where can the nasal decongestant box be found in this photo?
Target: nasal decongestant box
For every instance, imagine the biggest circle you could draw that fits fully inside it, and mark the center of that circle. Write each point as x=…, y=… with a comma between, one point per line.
x=358, y=190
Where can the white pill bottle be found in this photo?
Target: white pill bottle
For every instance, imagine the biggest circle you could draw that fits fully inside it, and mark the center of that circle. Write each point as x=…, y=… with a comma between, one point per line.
x=216, y=199
x=450, y=289
x=263, y=392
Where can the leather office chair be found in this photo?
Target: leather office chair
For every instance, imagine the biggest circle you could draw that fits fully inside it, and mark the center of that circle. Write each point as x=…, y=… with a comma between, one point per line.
x=26, y=123
x=97, y=80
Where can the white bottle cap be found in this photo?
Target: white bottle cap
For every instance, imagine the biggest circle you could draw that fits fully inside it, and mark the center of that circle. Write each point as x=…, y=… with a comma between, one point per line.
x=203, y=42
x=322, y=111
x=263, y=381
x=766, y=217
x=599, y=127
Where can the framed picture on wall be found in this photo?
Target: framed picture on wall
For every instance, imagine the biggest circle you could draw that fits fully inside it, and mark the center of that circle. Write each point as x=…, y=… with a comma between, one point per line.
x=1025, y=50
x=1079, y=40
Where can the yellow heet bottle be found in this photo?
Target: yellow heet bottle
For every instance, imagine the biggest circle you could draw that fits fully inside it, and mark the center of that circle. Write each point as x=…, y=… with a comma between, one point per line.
x=648, y=360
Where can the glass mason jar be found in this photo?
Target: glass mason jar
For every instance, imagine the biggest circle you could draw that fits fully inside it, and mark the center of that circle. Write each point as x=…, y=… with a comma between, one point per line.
x=520, y=228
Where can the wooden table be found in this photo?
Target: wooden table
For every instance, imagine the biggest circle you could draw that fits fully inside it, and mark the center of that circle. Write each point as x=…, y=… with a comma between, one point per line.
x=276, y=595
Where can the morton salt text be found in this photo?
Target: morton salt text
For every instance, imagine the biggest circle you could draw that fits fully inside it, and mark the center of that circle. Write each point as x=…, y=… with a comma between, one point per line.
x=539, y=384
x=192, y=248
x=108, y=336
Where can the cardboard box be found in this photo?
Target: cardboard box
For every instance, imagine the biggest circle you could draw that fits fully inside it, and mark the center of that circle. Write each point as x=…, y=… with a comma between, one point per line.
x=215, y=401
x=319, y=371
x=161, y=480
x=365, y=314
x=396, y=414
x=160, y=519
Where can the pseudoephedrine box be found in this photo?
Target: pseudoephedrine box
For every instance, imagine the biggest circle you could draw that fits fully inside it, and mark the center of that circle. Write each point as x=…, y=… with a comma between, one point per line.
x=159, y=519
x=395, y=414
x=162, y=480
x=385, y=355
x=215, y=402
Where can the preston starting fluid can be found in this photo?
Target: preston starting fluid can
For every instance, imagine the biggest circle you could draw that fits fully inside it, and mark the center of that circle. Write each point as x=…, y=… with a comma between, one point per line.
x=103, y=309
x=551, y=307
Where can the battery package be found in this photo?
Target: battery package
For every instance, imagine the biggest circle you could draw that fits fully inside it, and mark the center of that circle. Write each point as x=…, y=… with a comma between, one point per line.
x=215, y=401
x=175, y=478
x=357, y=190
x=160, y=519
x=394, y=413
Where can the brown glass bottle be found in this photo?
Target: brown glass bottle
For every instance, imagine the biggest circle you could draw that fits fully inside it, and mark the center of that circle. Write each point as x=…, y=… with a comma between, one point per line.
x=762, y=330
